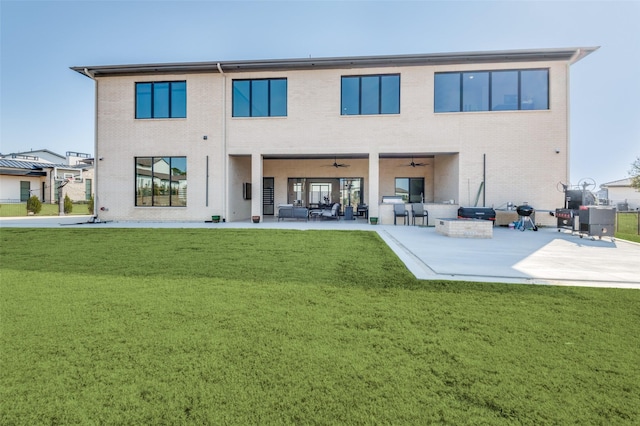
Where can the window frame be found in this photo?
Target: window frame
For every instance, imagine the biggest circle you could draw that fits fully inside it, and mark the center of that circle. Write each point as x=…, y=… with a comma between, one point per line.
x=270, y=97
x=491, y=106
x=411, y=194
x=180, y=190
x=382, y=100
x=173, y=111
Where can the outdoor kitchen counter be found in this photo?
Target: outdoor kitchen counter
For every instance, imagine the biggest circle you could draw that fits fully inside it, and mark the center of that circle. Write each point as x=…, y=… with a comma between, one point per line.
x=505, y=217
x=385, y=212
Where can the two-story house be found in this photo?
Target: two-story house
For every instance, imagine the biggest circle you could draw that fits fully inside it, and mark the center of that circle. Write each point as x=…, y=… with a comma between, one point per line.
x=185, y=141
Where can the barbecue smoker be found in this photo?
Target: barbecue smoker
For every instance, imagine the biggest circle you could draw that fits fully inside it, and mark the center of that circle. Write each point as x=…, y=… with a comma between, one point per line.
x=581, y=216
x=597, y=221
x=566, y=219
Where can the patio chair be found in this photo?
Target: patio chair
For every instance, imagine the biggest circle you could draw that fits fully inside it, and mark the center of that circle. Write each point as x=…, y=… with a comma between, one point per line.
x=331, y=214
x=399, y=210
x=363, y=210
x=419, y=211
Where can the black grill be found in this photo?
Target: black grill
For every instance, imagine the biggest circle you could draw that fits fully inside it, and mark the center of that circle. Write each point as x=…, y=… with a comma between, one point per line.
x=524, y=210
x=486, y=213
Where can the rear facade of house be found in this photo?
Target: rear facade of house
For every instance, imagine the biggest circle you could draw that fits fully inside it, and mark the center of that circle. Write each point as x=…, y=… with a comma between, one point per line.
x=186, y=141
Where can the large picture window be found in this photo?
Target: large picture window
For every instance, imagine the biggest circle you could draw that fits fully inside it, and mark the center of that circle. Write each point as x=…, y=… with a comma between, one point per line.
x=260, y=98
x=491, y=90
x=410, y=189
x=161, y=99
x=161, y=181
x=371, y=94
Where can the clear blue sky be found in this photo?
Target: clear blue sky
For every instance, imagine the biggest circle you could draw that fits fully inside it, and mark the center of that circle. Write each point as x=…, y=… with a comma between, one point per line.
x=46, y=105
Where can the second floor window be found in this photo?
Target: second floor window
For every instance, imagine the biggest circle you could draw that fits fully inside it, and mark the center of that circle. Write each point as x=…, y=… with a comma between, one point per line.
x=166, y=99
x=260, y=98
x=492, y=90
x=370, y=94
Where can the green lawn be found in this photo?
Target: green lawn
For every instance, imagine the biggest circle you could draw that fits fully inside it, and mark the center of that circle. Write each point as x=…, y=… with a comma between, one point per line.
x=17, y=210
x=250, y=326
x=627, y=226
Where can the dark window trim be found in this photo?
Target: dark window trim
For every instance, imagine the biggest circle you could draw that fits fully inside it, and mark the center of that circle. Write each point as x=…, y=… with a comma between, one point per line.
x=135, y=181
x=359, y=77
x=409, y=179
x=519, y=102
x=251, y=80
x=170, y=82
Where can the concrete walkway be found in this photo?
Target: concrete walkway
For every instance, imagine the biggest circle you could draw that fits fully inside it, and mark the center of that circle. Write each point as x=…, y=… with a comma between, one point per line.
x=544, y=257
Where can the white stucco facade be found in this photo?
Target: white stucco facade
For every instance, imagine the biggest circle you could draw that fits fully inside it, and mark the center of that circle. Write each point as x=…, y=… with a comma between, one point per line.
x=486, y=158
x=621, y=194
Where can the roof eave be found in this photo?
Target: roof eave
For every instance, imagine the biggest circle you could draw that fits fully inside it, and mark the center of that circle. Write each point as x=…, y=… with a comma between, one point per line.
x=570, y=55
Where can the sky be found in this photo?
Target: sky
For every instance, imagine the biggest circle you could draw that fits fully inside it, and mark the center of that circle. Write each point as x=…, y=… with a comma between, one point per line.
x=45, y=105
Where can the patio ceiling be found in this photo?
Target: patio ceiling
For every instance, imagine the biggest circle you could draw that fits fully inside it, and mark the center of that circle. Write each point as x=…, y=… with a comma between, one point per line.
x=342, y=156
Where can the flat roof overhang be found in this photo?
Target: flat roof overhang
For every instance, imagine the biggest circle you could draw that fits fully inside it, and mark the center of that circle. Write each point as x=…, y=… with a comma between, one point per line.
x=570, y=55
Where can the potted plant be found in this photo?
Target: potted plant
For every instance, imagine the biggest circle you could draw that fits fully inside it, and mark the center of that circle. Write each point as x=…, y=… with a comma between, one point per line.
x=215, y=218
x=373, y=220
x=255, y=219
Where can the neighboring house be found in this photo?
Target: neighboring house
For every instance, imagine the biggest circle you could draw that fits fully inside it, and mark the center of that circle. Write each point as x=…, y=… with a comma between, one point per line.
x=622, y=195
x=185, y=141
x=34, y=173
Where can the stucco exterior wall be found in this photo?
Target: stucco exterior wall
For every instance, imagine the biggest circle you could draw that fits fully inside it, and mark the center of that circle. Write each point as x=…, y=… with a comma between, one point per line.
x=45, y=187
x=622, y=194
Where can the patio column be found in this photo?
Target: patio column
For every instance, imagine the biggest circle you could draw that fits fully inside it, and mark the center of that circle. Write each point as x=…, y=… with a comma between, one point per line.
x=256, y=185
x=374, y=182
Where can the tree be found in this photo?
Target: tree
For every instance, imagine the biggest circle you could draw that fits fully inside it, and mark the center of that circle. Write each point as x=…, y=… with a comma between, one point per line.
x=635, y=173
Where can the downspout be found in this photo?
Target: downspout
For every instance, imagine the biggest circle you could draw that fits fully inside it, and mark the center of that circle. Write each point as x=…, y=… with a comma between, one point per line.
x=96, y=181
x=568, y=118
x=225, y=192
x=484, y=180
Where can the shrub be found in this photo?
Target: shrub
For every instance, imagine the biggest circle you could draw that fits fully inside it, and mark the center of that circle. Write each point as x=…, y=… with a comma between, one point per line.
x=34, y=205
x=90, y=205
x=68, y=205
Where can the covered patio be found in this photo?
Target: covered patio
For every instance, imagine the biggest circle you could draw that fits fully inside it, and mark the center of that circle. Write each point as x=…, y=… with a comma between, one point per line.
x=359, y=183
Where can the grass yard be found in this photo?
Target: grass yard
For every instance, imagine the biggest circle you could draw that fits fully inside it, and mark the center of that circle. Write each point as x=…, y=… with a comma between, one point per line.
x=251, y=326
x=20, y=209
x=627, y=226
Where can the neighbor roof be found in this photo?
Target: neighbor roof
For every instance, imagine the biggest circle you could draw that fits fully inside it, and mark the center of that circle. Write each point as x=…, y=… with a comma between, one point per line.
x=12, y=167
x=34, y=152
x=621, y=182
x=571, y=55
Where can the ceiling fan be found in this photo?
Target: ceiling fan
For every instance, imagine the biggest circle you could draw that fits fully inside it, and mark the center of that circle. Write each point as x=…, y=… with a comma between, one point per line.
x=336, y=164
x=414, y=164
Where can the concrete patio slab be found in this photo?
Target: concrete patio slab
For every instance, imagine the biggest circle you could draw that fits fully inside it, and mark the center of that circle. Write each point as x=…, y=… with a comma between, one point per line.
x=511, y=256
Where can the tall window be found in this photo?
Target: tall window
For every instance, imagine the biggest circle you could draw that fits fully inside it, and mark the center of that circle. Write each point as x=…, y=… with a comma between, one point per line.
x=25, y=190
x=88, y=189
x=410, y=189
x=491, y=90
x=161, y=99
x=371, y=94
x=161, y=181
x=260, y=98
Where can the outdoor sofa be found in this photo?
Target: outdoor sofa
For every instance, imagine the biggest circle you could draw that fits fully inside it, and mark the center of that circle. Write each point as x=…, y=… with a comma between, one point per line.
x=289, y=211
